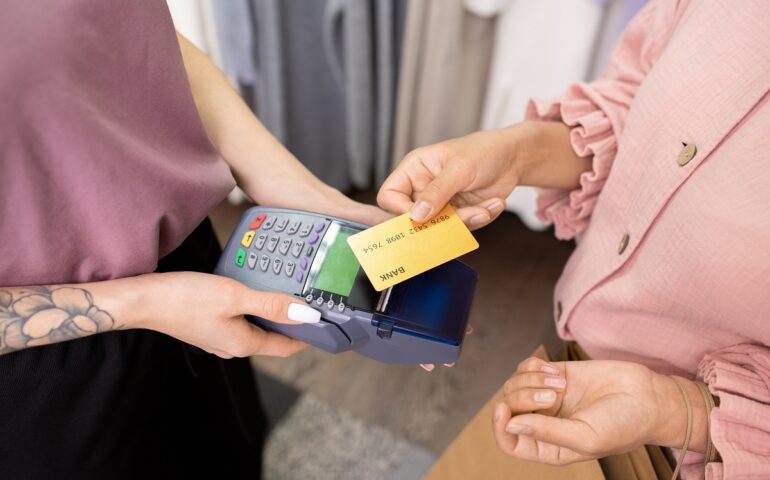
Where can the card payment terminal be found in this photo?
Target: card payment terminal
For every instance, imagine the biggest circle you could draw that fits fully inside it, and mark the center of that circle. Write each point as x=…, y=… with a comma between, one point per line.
x=421, y=320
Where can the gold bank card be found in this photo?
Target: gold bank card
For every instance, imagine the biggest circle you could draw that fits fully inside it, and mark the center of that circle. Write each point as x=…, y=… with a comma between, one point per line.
x=399, y=249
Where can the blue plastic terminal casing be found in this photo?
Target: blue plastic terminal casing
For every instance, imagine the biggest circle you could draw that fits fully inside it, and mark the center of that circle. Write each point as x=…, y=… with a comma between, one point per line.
x=421, y=320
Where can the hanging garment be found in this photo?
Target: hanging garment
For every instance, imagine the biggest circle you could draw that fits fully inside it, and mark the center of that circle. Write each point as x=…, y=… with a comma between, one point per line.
x=540, y=48
x=616, y=15
x=349, y=46
x=275, y=50
x=390, y=19
x=194, y=19
x=445, y=59
x=361, y=40
x=321, y=77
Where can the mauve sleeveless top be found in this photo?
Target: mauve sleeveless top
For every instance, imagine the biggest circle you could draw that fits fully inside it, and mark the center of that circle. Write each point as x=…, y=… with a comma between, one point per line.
x=104, y=163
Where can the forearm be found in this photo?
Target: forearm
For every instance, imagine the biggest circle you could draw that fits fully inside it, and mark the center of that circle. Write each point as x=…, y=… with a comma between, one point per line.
x=543, y=156
x=244, y=143
x=41, y=315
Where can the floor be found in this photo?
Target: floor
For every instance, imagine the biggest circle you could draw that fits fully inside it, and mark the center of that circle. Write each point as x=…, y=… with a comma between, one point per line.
x=512, y=314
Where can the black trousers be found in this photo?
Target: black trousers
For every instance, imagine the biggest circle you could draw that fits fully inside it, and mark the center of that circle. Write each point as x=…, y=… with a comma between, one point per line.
x=131, y=404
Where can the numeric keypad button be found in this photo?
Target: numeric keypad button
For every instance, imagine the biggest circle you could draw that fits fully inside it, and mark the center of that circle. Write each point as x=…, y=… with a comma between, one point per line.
x=294, y=227
x=264, y=262
x=296, y=250
x=252, y=260
x=289, y=268
x=277, y=262
x=260, y=241
x=285, y=244
x=305, y=230
x=280, y=225
x=268, y=223
x=272, y=243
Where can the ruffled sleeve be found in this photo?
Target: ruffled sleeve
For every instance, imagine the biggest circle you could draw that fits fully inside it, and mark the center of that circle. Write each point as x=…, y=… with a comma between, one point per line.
x=596, y=112
x=739, y=378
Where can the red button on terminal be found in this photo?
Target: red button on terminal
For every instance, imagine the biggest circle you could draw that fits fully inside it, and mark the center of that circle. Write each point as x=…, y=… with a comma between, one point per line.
x=258, y=221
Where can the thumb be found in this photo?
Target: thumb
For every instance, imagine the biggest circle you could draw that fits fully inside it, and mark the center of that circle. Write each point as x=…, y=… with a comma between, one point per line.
x=575, y=435
x=450, y=181
x=278, y=308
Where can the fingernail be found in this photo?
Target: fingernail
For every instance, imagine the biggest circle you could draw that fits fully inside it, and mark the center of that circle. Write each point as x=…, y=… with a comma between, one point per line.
x=496, y=208
x=428, y=367
x=517, y=429
x=449, y=364
x=468, y=330
x=548, y=368
x=546, y=396
x=479, y=220
x=556, y=382
x=420, y=211
x=303, y=313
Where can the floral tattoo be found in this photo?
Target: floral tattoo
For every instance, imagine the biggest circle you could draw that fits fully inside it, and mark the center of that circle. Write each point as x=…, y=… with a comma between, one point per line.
x=40, y=315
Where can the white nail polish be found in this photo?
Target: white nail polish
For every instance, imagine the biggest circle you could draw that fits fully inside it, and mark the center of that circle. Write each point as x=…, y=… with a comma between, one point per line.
x=303, y=313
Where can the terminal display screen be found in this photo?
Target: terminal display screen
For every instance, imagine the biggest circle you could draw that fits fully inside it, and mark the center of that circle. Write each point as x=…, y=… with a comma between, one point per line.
x=336, y=270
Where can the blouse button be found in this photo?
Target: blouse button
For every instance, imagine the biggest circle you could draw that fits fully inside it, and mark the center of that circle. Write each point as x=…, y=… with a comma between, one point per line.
x=688, y=152
x=623, y=243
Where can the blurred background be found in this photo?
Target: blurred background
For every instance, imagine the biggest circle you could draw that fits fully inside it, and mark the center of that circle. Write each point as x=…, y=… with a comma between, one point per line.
x=350, y=86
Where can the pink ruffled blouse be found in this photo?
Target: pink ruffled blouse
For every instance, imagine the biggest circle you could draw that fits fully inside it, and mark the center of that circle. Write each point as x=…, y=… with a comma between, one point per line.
x=672, y=266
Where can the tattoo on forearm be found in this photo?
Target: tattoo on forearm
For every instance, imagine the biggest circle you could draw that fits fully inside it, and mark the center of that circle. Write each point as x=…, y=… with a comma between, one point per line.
x=41, y=315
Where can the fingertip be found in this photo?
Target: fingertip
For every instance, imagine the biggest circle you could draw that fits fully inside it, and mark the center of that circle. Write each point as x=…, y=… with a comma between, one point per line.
x=536, y=364
x=479, y=220
x=421, y=211
x=545, y=397
x=518, y=429
x=394, y=201
x=301, y=313
x=548, y=368
x=495, y=207
x=499, y=412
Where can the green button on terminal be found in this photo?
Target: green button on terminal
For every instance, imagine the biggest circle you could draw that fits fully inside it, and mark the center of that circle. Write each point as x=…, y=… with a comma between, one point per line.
x=240, y=257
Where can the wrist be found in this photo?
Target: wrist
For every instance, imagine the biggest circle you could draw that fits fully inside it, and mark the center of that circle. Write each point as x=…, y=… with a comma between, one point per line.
x=128, y=300
x=541, y=154
x=671, y=423
x=518, y=141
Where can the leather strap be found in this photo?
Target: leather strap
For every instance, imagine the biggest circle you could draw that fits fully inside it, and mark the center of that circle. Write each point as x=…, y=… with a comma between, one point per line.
x=688, y=434
x=710, y=454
